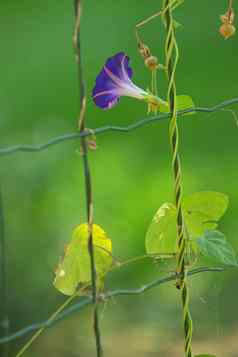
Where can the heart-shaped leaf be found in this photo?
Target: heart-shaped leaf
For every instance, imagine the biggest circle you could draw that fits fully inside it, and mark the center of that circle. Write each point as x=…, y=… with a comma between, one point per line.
x=75, y=267
x=161, y=235
x=214, y=244
x=202, y=211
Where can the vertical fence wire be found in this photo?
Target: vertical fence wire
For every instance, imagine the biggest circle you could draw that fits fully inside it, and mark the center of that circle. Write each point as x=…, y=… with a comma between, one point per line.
x=172, y=55
x=87, y=173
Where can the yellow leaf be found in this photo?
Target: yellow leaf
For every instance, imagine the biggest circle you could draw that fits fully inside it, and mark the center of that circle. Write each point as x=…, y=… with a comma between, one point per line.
x=75, y=268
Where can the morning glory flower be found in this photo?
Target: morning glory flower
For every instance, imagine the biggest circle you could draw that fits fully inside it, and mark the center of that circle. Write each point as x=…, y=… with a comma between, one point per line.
x=114, y=81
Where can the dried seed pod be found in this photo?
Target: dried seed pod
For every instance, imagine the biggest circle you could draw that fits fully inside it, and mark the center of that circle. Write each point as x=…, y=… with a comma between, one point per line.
x=92, y=145
x=144, y=50
x=231, y=16
x=228, y=17
x=227, y=30
x=224, y=19
x=151, y=62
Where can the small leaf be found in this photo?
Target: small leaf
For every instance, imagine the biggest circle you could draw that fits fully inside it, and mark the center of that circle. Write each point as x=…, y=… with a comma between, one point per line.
x=214, y=244
x=177, y=24
x=202, y=211
x=197, y=223
x=211, y=203
x=75, y=267
x=184, y=102
x=164, y=107
x=161, y=235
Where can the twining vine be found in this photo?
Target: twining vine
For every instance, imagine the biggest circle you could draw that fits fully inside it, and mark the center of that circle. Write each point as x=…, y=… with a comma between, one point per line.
x=172, y=56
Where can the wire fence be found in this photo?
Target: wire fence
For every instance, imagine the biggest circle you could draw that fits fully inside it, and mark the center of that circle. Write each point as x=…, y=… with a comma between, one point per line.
x=103, y=298
x=12, y=149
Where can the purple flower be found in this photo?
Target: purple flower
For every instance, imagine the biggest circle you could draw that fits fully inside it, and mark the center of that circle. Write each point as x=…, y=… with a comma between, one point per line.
x=114, y=81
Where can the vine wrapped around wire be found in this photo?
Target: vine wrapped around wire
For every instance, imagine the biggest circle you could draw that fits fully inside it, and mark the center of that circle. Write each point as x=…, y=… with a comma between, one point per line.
x=172, y=56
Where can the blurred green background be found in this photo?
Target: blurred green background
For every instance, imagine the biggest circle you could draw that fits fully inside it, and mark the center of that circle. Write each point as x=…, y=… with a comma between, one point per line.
x=43, y=193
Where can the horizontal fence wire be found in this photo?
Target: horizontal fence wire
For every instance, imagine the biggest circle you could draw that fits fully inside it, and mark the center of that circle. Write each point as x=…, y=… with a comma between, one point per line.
x=85, y=301
x=112, y=128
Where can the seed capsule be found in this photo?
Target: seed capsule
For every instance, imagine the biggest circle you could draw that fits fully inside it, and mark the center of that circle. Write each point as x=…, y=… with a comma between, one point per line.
x=151, y=62
x=144, y=50
x=227, y=30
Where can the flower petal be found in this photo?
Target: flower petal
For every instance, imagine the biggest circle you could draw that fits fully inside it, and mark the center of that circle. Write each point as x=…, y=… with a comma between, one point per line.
x=114, y=81
x=105, y=99
x=119, y=66
x=103, y=82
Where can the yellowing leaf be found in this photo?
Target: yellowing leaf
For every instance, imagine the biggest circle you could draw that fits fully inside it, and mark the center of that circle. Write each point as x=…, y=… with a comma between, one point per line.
x=161, y=235
x=201, y=211
x=75, y=267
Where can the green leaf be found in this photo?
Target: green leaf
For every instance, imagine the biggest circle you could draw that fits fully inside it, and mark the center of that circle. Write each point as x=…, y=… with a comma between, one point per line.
x=164, y=107
x=202, y=211
x=176, y=24
x=184, y=102
x=210, y=202
x=75, y=267
x=214, y=244
x=161, y=235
